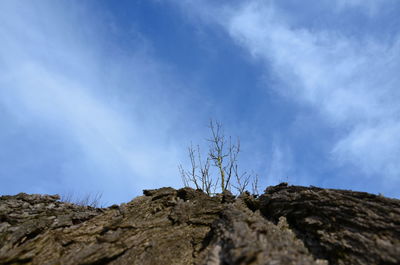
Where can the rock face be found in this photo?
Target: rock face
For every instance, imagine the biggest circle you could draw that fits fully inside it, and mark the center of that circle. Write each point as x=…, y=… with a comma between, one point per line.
x=286, y=225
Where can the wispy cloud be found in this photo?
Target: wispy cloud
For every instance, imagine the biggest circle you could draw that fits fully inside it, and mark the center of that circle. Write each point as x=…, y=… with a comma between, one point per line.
x=94, y=105
x=110, y=108
x=351, y=81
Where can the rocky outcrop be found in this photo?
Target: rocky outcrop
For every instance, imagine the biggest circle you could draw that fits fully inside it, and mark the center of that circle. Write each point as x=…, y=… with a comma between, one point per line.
x=344, y=227
x=286, y=225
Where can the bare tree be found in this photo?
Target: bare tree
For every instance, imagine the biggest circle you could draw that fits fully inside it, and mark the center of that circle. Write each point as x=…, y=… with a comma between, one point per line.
x=202, y=181
x=223, y=155
x=206, y=182
x=216, y=152
x=190, y=176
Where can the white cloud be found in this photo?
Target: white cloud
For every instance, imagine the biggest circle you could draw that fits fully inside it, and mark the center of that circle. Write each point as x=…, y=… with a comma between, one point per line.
x=353, y=82
x=54, y=75
x=374, y=148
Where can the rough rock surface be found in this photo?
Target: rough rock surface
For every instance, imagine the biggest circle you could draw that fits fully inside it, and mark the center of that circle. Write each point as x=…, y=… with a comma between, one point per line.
x=286, y=225
x=344, y=227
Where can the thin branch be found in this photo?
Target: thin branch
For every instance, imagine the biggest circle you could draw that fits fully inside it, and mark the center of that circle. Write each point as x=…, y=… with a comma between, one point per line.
x=254, y=185
x=223, y=156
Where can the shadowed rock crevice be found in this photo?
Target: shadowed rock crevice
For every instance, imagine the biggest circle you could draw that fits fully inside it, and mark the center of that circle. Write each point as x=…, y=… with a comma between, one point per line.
x=286, y=225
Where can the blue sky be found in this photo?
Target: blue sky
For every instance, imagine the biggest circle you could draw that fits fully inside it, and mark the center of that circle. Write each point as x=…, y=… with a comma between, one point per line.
x=99, y=96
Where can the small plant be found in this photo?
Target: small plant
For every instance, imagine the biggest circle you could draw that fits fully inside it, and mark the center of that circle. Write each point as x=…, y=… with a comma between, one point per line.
x=223, y=155
x=87, y=200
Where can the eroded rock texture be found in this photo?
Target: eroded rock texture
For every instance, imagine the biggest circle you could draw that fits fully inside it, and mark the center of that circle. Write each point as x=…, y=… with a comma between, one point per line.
x=287, y=225
x=344, y=227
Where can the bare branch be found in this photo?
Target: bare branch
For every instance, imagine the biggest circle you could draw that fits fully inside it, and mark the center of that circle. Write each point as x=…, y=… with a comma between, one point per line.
x=254, y=185
x=217, y=150
x=185, y=180
x=223, y=156
x=242, y=180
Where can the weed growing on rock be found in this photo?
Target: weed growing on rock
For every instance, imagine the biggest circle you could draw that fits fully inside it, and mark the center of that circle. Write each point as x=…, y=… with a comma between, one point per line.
x=92, y=200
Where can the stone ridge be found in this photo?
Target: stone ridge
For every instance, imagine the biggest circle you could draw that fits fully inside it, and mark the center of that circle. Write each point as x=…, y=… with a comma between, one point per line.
x=286, y=225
